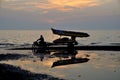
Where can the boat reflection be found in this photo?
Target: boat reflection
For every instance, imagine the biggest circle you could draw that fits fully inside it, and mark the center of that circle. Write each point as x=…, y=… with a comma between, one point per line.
x=64, y=57
x=69, y=58
x=70, y=61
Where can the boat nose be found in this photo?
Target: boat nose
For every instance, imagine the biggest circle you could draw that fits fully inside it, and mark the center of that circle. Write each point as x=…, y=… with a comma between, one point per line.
x=87, y=35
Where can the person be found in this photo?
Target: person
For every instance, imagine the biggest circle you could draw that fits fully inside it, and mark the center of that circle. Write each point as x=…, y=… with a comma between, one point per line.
x=41, y=39
x=42, y=43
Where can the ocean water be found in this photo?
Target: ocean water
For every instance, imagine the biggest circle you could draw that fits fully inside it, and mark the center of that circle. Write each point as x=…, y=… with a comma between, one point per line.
x=102, y=65
x=29, y=36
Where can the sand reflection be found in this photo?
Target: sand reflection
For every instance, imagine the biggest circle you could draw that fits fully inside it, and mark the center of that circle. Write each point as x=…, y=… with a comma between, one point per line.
x=98, y=62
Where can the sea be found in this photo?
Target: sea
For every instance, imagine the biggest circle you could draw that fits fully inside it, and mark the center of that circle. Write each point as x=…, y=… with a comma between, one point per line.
x=102, y=65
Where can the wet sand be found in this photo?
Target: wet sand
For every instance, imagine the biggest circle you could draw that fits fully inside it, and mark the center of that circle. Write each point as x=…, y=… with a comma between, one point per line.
x=9, y=72
x=10, y=67
x=11, y=56
x=16, y=57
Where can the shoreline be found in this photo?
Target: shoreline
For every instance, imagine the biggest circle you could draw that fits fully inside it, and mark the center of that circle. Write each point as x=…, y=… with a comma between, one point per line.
x=94, y=48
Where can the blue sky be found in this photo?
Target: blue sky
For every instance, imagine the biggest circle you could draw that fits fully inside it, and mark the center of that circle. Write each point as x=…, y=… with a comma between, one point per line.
x=65, y=14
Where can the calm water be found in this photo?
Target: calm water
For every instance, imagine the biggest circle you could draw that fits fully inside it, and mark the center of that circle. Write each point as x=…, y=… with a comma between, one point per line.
x=103, y=65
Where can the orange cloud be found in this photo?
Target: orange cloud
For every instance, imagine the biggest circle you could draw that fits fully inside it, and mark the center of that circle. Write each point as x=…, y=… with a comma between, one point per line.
x=67, y=5
x=50, y=21
x=9, y=0
x=60, y=5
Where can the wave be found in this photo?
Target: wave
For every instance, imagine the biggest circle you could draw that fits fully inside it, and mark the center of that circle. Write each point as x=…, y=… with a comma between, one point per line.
x=6, y=45
x=118, y=44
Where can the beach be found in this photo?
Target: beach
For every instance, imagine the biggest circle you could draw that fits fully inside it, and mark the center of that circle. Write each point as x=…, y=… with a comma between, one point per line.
x=59, y=40
x=36, y=65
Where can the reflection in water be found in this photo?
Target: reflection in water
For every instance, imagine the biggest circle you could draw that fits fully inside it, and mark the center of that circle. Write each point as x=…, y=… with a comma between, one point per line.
x=70, y=61
x=66, y=57
x=41, y=54
x=102, y=64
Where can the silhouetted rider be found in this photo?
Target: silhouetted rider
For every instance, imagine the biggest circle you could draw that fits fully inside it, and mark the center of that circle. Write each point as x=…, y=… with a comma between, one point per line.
x=42, y=43
x=41, y=40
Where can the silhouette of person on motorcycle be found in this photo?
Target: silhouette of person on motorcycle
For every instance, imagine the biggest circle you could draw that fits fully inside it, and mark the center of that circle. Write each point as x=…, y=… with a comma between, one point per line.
x=41, y=40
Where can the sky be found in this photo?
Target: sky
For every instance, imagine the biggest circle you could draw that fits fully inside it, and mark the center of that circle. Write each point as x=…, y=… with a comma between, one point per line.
x=61, y=14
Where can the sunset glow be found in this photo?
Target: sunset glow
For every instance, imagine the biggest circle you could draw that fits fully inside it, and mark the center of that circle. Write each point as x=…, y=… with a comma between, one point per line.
x=60, y=5
x=84, y=14
x=67, y=5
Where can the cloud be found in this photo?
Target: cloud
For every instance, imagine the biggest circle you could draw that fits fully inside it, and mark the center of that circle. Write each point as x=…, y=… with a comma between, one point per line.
x=50, y=21
x=67, y=5
x=60, y=5
x=9, y=0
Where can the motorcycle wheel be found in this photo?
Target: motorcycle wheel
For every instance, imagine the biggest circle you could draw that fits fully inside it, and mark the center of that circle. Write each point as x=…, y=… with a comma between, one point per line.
x=34, y=48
